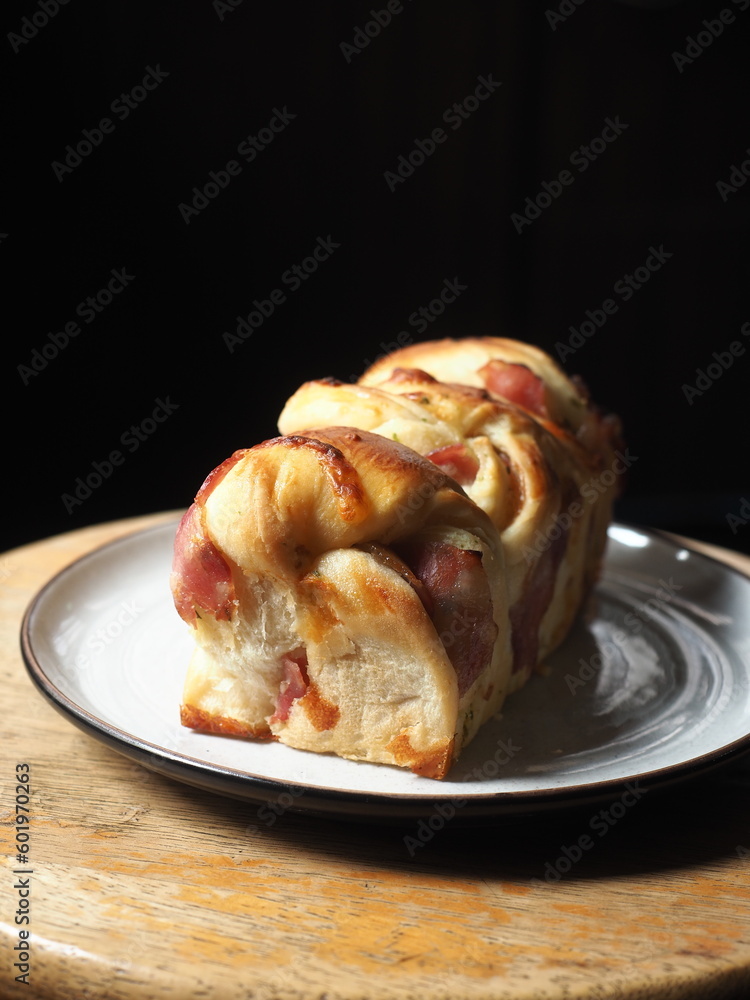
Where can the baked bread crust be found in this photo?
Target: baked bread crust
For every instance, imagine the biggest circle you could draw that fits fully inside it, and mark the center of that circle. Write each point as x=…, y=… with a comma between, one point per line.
x=312, y=570
x=561, y=403
x=538, y=480
x=376, y=588
x=466, y=360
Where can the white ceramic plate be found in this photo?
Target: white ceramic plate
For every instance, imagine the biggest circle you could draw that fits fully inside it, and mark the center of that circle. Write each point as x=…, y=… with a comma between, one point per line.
x=654, y=687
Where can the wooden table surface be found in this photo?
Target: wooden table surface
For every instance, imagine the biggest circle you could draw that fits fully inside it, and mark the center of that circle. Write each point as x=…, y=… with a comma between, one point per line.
x=144, y=887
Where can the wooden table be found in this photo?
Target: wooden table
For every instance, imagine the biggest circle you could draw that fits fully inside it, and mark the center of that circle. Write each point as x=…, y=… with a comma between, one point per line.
x=144, y=887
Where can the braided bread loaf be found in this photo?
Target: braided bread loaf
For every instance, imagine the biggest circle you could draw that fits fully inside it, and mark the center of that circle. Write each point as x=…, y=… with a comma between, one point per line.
x=376, y=588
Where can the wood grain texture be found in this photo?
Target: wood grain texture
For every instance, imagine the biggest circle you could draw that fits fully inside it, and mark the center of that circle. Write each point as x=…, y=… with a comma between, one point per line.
x=143, y=887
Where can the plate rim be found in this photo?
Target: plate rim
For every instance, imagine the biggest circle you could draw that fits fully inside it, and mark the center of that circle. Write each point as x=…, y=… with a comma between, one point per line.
x=331, y=802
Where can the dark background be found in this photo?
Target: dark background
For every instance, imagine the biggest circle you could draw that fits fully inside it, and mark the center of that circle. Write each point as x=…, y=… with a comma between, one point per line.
x=323, y=176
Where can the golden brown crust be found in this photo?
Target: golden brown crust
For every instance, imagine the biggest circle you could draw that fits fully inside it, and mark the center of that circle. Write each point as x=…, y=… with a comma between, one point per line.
x=530, y=463
x=469, y=361
x=432, y=763
x=322, y=714
x=206, y=722
x=342, y=476
x=290, y=499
